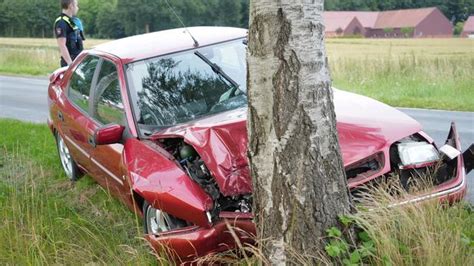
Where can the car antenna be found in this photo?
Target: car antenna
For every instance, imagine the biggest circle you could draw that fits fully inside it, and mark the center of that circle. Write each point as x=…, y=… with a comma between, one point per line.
x=196, y=44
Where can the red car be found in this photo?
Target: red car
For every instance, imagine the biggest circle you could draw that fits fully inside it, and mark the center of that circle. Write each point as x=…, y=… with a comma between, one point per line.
x=160, y=120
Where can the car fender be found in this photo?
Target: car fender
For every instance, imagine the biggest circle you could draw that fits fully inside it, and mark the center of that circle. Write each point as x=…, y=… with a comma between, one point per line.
x=158, y=179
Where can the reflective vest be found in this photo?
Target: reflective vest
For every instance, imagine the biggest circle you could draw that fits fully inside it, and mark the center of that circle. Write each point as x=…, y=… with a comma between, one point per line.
x=73, y=39
x=68, y=21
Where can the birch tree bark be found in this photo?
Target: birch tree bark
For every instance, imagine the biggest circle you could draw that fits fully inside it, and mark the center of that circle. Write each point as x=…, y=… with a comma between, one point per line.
x=299, y=183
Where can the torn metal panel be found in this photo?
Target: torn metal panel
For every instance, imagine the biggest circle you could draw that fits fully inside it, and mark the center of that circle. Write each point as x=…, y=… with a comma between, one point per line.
x=221, y=141
x=164, y=184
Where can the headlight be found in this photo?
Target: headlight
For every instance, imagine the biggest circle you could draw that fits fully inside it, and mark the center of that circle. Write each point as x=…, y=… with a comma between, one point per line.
x=414, y=153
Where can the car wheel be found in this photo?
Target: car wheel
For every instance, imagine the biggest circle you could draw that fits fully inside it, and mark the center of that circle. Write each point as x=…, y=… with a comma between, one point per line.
x=157, y=221
x=68, y=164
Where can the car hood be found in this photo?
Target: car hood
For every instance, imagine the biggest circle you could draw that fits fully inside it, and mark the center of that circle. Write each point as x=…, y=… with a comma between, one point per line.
x=365, y=126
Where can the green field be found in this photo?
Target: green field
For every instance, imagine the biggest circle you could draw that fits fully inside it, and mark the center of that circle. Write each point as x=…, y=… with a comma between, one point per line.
x=36, y=57
x=46, y=219
x=423, y=73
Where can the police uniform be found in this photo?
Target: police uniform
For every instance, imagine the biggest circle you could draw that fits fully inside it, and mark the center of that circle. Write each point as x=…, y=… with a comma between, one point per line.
x=64, y=27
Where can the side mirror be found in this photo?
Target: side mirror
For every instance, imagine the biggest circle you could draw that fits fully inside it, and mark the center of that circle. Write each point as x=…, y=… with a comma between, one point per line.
x=108, y=134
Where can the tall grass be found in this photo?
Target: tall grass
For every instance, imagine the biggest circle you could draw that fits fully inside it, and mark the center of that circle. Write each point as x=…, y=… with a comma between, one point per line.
x=32, y=61
x=46, y=219
x=410, y=81
x=427, y=233
x=36, y=57
x=426, y=73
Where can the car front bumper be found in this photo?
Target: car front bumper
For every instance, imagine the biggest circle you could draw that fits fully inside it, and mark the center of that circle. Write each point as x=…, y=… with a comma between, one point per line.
x=455, y=188
x=186, y=244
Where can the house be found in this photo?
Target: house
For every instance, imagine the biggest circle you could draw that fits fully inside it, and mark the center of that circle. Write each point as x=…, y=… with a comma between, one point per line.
x=421, y=22
x=348, y=23
x=468, y=30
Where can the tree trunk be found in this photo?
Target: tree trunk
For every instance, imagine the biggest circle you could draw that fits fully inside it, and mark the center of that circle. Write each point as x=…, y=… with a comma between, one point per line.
x=299, y=184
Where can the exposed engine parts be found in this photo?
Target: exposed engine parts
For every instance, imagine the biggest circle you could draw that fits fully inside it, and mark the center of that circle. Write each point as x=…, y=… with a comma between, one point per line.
x=193, y=165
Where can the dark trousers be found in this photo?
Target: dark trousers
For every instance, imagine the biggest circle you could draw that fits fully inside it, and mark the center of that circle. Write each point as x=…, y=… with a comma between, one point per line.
x=63, y=62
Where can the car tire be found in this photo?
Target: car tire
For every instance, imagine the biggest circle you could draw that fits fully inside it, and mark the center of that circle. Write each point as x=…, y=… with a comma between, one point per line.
x=67, y=162
x=156, y=221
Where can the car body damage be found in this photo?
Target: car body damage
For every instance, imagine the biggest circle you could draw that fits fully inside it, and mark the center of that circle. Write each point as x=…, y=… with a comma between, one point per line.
x=191, y=242
x=448, y=174
x=164, y=129
x=221, y=142
x=366, y=142
x=155, y=177
x=373, y=142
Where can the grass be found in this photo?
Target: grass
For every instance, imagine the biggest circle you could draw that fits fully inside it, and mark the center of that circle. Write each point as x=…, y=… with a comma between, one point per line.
x=35, y=57
x=423, y=73
x=423, y=234
x=427, y=233
x=46, y=219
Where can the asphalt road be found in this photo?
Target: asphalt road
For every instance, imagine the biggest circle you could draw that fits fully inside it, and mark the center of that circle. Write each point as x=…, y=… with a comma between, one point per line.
x=25, y=99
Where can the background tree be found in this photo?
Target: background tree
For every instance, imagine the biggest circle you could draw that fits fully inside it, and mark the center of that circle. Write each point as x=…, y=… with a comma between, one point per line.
x=458, y=28
x=108, y=23
x=91, y=11
x=119, y=18
x=299, y=183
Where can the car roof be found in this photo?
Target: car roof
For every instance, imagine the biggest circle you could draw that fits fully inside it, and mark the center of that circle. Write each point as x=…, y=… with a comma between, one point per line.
x=158, y=43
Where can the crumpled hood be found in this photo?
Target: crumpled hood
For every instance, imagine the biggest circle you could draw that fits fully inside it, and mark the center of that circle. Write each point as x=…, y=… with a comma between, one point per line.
x=221, y=141
x=365, y=126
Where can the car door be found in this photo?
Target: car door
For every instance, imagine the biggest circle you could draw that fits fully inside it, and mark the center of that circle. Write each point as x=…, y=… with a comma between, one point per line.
x=73, y=111
x=107, y=108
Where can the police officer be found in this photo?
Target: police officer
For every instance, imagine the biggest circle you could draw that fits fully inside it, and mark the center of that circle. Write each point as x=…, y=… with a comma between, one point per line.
x=67, y=33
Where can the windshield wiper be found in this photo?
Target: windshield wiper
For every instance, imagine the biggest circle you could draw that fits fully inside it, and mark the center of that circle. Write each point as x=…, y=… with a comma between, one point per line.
x=149, y=130
x=217, y=69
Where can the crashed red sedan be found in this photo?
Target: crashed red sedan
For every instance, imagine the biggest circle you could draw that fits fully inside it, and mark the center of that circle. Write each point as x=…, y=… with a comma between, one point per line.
x=160, y=120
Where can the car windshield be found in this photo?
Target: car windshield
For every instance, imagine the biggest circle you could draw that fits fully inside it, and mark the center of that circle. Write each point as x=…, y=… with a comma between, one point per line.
x=181, y=87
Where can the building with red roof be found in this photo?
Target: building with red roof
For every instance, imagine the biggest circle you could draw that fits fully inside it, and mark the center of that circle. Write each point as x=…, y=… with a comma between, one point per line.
x=468, y=29
x=421, y=22
x=338, y=23
x=343, y=26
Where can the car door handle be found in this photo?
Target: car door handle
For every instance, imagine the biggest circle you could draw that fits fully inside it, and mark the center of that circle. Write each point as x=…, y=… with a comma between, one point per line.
x=60, y=116
x=91, y=141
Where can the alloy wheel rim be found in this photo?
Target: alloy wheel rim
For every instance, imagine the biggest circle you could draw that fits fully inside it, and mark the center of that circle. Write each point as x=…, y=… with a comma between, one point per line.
x=65, y=157
x=157, y=221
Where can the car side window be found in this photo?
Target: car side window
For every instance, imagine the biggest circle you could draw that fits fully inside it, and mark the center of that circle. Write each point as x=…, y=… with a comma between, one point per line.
x=108, y=105
x=81, y=81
